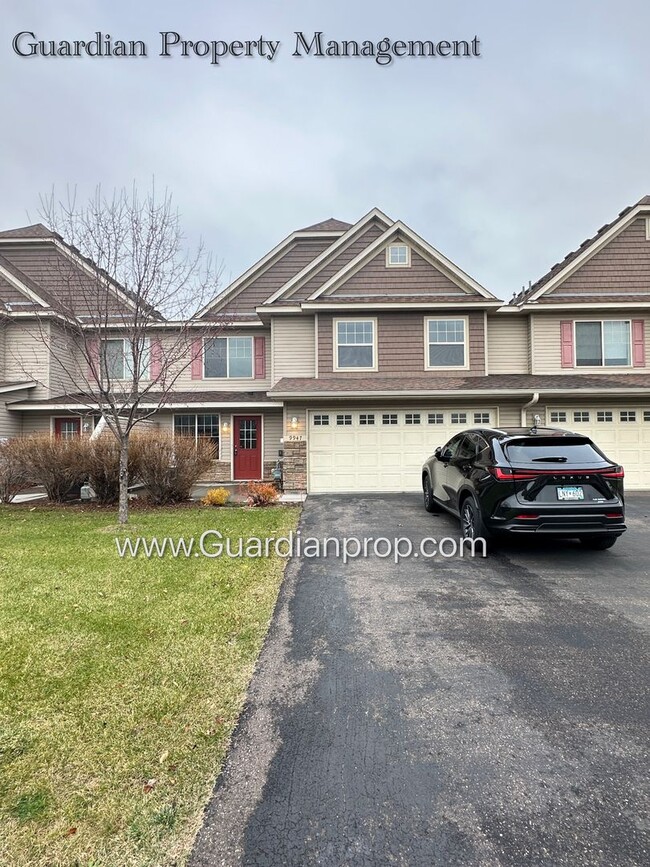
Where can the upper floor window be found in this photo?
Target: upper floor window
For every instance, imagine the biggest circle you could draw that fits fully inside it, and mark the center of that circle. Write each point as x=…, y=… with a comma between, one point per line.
x=398, y=255
x=228, y=358
x=355, y=344
x=446, y=343
x=603, y=344
x=118, y=358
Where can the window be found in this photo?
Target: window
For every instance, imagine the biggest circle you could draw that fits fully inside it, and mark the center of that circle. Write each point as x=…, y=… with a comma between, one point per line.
x=628, y=415
x=581, y=416
x=366, y=418
x=646, y=415
x=603, y=344
x=344, y=419
x=228, y=358
x=547, y=451
x=481, y=418
x=436, y=418
x=321, y=420
x=117, y=358
x=446, y=343
x=459, y=418
x=412, y=418
x=605, y=415
x=355, y=344
x=389, y=418
x=204, y=427
x=558, y=416
x=398, y=255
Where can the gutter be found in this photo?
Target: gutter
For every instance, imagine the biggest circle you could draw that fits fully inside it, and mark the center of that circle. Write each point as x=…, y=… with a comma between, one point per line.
x=532, y=402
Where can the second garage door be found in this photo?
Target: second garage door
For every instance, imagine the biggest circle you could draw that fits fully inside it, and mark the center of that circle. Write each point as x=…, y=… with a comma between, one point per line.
x=380, y=449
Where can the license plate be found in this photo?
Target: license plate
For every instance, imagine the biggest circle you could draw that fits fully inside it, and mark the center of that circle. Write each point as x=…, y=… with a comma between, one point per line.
x=570, y=492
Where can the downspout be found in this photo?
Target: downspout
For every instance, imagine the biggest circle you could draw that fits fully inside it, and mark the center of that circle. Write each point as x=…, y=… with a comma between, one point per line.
x=99, y=427
x=534, y=400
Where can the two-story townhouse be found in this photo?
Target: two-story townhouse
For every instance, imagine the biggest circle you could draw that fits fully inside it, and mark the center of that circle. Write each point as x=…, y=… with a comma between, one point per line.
x=356, y=349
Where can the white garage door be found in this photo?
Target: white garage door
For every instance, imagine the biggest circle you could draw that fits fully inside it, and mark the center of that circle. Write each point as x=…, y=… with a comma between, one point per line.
x=380, y=449
x=623, y=434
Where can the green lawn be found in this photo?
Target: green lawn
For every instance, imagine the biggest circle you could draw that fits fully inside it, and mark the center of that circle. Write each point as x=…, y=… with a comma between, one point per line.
x=121, y=679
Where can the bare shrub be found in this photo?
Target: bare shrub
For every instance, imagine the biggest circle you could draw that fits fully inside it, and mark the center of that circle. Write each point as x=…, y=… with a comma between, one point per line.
x=102, y=462
x=14, y=472
x=260, y=493
x=169, y=466
x=57, y=464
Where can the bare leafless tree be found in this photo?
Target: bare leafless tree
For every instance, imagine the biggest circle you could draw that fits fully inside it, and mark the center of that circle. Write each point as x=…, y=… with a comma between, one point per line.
x=123, y=294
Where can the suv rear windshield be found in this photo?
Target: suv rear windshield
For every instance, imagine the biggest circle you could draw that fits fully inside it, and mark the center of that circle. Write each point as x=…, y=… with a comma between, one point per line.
x=553, y=450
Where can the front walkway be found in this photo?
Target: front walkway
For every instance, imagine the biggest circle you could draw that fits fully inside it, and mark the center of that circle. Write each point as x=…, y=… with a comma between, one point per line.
x=444, y=712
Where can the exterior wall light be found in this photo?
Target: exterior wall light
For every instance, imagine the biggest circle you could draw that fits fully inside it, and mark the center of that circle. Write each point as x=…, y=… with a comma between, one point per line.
x=225, y=427
x=294, y=422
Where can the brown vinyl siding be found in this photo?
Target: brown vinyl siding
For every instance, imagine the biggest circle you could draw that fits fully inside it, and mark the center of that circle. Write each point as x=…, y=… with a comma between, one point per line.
x=298, y=256
x=400, y=345
x=622, y=266
x=340, y=261
x=420, y=278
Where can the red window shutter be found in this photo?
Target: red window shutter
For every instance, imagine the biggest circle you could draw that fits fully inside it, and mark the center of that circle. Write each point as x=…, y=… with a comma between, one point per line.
x=638, y=343
x=92, y=348
x=155, y=354
x=260, y=357
x=566, y=343
x=197, y=359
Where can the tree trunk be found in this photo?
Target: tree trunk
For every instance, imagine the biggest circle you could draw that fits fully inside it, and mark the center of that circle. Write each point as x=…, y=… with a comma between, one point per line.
x=123, y=513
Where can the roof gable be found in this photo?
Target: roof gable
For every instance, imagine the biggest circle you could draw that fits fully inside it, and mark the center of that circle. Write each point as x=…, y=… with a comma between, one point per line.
x=615, y=259
x=430, y=273
x=37, y=230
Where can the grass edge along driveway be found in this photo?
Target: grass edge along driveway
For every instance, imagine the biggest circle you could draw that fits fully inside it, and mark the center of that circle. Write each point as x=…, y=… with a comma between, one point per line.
x=121, y=679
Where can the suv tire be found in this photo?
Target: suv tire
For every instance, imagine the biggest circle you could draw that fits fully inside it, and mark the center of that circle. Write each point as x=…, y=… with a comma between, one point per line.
x=429, y=503
x=471, y=521
x=598, y=543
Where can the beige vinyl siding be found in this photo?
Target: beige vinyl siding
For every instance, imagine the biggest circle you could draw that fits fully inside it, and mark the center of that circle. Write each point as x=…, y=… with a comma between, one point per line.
x=400, y=344
x=11, y=423
x=184, y=382
x=65, y=364
x=38, y=422
x=507, y=344
x=293, y=346
x=510, y=413
x=545, y=341
x=27, y=356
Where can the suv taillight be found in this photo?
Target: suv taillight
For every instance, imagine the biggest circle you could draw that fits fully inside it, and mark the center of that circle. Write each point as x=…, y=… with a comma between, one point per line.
x=508, y=475
x=616, y=473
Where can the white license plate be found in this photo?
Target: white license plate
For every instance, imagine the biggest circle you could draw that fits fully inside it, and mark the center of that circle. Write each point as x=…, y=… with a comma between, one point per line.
x=570, y=492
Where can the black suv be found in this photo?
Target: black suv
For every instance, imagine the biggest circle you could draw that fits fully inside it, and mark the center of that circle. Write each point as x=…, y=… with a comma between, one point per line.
x=527, y=481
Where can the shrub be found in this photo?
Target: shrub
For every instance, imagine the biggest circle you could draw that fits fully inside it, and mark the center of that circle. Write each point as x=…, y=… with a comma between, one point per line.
x=102, y=463
x=57, y=464
x=170, y=466
x=216, y=497
x=260, y=493
x=14, y=471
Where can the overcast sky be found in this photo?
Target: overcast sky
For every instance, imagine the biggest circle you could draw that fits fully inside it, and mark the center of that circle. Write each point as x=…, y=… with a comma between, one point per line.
x=504, y=163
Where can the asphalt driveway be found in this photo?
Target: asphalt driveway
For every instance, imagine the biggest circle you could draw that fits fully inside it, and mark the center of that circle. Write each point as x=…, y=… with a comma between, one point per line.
x=445, y=712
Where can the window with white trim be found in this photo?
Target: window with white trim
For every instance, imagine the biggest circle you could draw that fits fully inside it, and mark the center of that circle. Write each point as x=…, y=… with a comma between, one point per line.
x=581, y=416
x=603, y=343
x=446, y=343
x=398, y=255
x=481, y=418
x=355, y=344
x=459, y=418
x=436, y=418
x=366, y=418
x=321, y=420
x=412, y=418
x=118, y=358
x=202, y=426
x=344, y=419
x=228, y=358
x=627, y=415
x=389, y=418
x=604, y=415
x=558, y=416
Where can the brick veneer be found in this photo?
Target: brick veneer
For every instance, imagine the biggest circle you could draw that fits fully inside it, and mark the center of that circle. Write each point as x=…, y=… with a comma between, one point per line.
x=220, y=472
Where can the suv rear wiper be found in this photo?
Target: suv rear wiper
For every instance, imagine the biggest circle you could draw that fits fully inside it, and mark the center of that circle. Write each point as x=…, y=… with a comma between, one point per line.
x=558, y=459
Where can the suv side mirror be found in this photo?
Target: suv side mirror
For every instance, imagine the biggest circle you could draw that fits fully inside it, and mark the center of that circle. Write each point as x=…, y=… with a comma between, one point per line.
x=438, y=452
x=444, y=456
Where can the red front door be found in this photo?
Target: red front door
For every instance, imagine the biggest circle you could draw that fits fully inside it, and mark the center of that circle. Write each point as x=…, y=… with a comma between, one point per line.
x=247, y=447
x=64, y=428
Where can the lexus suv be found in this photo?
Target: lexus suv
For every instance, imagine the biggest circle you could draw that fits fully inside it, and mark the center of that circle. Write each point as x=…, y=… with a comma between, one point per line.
x=534, y=481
